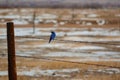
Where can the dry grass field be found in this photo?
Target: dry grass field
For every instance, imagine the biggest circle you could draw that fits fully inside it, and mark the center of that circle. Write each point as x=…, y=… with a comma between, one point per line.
x=87, y=46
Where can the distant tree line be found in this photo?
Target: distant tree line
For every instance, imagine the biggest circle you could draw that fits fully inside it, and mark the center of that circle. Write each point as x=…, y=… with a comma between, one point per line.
x=57, y=5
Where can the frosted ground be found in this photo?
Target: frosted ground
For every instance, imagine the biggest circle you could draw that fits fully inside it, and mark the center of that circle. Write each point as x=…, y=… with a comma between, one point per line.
x=36, y=72
x=66, y=42
x=71, y=44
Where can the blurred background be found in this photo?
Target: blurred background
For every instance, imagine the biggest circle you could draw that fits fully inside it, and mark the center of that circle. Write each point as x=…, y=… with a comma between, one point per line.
x=61, y=3
x=87, y=43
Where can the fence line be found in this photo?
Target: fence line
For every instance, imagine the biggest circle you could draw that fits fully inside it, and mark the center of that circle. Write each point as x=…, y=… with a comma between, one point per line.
x=45, y=58
x=90, y=42
x=38, y=37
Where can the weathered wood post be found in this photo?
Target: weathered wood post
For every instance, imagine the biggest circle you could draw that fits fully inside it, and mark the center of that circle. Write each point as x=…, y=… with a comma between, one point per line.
x=119, y=24
x=33, y=21
x=11, y=52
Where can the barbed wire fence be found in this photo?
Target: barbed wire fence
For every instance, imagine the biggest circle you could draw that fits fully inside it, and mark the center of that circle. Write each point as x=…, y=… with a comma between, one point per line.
x=66, y=61
x=12, y=56
x=111, y=46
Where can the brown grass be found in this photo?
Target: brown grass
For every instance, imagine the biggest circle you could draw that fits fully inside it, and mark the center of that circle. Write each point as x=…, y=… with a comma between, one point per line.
x=30, y=63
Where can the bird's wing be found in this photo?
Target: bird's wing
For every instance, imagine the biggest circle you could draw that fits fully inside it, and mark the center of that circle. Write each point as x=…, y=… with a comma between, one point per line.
x=54, y=35
x=50, y=39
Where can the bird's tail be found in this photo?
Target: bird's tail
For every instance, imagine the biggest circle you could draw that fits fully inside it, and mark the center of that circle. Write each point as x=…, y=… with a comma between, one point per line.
x=50, y=40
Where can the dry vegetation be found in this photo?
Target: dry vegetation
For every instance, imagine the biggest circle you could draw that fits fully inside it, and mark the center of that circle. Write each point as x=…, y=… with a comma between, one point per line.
x=44, y=64
x=84, y=74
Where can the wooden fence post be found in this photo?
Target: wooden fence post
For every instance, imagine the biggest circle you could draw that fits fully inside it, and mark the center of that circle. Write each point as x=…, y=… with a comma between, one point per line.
x=33, y=21
x=12, y=74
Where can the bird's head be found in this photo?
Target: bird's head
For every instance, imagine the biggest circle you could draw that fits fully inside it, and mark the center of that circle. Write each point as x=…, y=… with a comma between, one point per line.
x=52, y=32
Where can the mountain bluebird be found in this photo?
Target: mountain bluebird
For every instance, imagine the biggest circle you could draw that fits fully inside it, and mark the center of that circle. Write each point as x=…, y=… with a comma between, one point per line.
x=52, y=37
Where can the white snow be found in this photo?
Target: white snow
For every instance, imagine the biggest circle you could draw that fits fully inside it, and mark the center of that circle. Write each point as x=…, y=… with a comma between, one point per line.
x=71, y=32
x=101, y=22
x=113, y=70
x=51, y=21
x=107, y=53
x=3, y=73
x=85, y=55
x=88, y=47
x=88, y=23
x=92, y=15
x=56, y=45
x=63, y=54
x=3, y=36
x=22, y=32
x=62, y=23
x=29, y=17
x=38, y=32
x=10, y=17
x=107, y=71
x=47, y=16
x=90, y=19
x=28, y=31
x=27, y=53
x=38, y=72
x=93, y=59
x=20, y=22
x=104, y=33
x=89, y=39
x=27, y=39
x=72, y=35
x=118, y=46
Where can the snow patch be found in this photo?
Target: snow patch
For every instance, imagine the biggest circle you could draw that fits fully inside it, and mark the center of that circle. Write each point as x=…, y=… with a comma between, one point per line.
x=102, y=33
x=85, y=55
x=3, y=73
x=92, y=15
x=107, y=71
x=88, y=47
x=89, y=39
x=47, y=16
x=27, y=53
x=57, y=45
x=20, y=22
x=10, y=16
x=38, y=72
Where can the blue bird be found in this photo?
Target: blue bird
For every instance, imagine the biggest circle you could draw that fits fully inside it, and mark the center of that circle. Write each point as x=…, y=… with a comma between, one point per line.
x=52, y=37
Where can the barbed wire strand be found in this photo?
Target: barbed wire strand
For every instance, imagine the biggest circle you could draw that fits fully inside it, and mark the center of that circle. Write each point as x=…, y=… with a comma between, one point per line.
x=58, y=60
x=45, y=58
x=41, y=37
